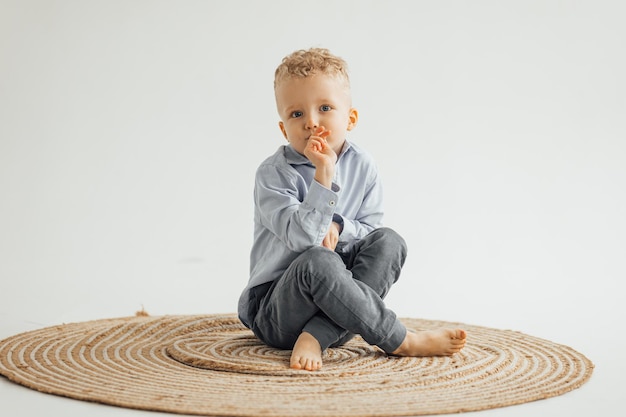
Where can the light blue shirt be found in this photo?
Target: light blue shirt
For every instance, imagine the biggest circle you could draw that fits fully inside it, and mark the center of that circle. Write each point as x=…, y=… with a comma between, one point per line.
x=293, y=212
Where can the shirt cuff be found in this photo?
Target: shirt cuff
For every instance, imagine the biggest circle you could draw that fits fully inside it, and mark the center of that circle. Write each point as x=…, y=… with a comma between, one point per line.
x=339, y=220
x=321, y=198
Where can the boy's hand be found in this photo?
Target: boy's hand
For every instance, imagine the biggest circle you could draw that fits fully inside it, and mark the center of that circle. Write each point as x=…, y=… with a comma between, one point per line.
x=332, y=237
x=317, y=149
x=321, y=156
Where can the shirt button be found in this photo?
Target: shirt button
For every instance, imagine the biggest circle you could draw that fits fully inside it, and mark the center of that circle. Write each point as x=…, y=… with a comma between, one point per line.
x=331, y=202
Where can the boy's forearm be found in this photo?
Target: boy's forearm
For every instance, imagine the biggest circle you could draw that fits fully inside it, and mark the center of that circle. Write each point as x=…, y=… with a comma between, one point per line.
x=324, y=175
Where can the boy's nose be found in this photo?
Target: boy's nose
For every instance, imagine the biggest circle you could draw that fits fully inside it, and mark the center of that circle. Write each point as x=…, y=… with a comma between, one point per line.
x=311, y=123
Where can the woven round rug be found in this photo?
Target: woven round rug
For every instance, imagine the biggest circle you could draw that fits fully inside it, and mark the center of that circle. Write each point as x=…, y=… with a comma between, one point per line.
x=211, y=365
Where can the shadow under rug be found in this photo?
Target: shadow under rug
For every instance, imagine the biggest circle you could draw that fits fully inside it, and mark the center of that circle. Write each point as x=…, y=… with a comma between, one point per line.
x=211, y=365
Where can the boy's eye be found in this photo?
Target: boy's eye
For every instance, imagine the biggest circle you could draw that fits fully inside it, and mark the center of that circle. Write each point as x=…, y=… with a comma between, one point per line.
x=296, y=114
x=325, y=107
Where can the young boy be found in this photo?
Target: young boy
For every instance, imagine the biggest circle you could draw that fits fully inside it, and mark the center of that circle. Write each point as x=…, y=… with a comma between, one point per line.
x=321, y=262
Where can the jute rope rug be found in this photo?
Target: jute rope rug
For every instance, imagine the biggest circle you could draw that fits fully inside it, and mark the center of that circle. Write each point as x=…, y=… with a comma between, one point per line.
x=211, y=365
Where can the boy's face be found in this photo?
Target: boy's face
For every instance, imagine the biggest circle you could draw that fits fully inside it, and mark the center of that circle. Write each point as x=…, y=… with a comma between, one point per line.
x=304, y=104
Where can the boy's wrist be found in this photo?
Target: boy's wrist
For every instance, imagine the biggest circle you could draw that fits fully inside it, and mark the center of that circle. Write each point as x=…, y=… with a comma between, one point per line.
x=339, y=220
x=324, y=176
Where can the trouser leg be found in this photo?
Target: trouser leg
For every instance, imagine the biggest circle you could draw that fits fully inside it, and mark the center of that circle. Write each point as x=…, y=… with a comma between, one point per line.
x=318, y=294
x=376, y=260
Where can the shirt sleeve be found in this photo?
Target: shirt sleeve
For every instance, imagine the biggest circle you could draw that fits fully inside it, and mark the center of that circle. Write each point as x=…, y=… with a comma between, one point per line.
x=368, y=200
x=300, y=218
x=369, y=216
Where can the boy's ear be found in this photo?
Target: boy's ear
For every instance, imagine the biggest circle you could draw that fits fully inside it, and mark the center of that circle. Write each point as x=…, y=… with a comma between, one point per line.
x=281, y=125
x=353, y=118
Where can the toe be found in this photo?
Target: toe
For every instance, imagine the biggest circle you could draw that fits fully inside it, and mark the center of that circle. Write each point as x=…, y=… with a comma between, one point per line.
x=295, y=363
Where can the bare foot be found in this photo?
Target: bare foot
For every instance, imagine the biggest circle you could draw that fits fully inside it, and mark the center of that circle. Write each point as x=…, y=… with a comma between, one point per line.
x=440, y=342
x=307, y=353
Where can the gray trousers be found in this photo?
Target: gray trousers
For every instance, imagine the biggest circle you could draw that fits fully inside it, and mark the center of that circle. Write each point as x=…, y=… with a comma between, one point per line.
x=333, y=296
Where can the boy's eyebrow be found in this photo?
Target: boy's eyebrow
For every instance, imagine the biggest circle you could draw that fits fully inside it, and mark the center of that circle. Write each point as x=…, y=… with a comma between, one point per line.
x=290, y=108
x=320, y=101
x=293, y=107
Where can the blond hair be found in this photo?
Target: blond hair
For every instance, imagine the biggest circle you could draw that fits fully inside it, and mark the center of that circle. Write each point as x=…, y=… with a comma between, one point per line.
x=306, y=63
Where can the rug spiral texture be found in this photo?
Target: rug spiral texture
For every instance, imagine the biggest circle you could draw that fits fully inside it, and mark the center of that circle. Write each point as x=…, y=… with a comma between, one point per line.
x=211, y=365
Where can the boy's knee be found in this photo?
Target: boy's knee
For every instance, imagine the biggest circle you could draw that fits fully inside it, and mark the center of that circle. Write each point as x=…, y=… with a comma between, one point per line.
x=391, y=240
x=316, y=266
x=317, y=257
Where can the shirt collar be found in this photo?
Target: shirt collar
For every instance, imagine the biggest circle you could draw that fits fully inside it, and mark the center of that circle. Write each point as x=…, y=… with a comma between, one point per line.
x=294, y=158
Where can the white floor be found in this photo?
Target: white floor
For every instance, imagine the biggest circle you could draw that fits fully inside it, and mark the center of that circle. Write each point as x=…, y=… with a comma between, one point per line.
x=602, y=342
x=593, y=327
x=130, y=133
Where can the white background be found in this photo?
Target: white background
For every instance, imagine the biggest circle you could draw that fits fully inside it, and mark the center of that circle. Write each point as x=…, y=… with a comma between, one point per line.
x=130, y=132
